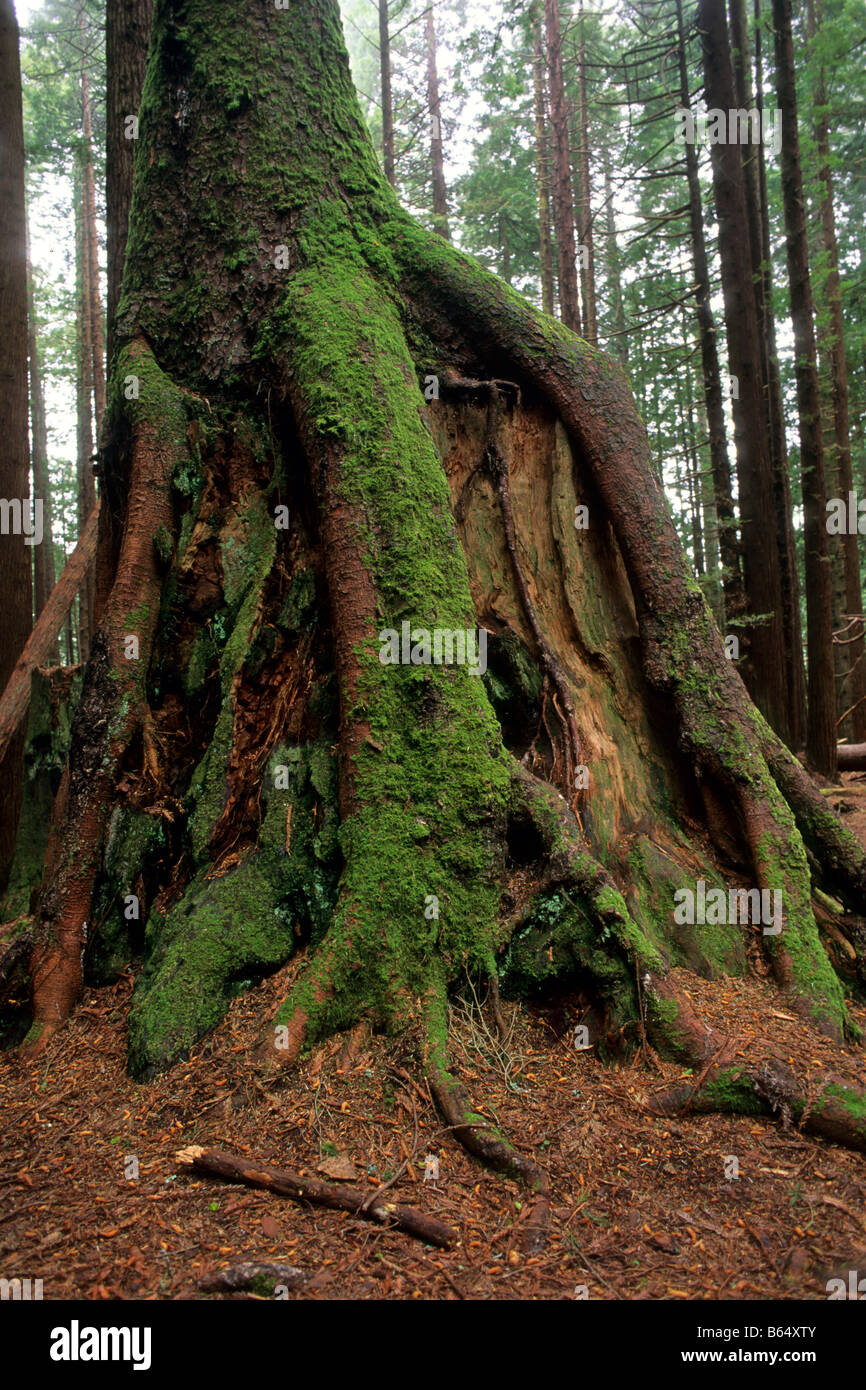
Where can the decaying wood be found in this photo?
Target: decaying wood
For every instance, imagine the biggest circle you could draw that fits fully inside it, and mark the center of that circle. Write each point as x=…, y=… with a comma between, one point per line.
x=234, y=1168
x=40, y=644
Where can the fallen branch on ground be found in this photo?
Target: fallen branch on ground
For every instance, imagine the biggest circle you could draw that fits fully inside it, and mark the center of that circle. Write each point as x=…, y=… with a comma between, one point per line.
x=215, y=1163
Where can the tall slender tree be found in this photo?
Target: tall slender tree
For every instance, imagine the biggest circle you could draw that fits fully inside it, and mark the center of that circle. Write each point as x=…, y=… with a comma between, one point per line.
x=387, y=96
x=15, y=578
x=437, y=163
x=542, y=167
x=821, y=726
x=563, y=196
x=585, y=230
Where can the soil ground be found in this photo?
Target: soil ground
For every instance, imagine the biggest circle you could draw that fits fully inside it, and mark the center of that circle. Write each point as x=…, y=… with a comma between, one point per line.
x=642, y=1207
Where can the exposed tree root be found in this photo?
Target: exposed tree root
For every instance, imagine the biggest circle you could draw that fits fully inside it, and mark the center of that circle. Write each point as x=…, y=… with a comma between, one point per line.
x=477, y=1135
x=683, y=656
x=112, y=704
x=215, y=1163
x=837, y=1113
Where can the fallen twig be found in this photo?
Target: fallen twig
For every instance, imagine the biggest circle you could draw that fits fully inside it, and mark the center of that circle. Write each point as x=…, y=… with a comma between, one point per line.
x=215, y=1163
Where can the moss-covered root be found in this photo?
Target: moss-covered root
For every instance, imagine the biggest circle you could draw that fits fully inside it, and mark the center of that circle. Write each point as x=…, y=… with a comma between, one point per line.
x=839, y=855
x=477, y=1135
x=837, y=1112
x=791, y=943
x=568, y=862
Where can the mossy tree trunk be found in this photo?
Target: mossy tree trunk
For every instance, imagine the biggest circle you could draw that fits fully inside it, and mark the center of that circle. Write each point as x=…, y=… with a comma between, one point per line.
x=247, y=776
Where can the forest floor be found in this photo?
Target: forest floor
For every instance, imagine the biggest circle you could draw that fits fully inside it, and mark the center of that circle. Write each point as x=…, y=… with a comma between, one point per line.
x=642, y=1207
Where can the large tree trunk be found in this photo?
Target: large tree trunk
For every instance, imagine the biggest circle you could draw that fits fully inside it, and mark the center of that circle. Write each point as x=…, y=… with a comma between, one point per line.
x=732, y=578
x=852, y=649
x=757, y=213
x=127, y=30
x=821, y=726
x=15, y=559
x=247, y=759
x=764, y=665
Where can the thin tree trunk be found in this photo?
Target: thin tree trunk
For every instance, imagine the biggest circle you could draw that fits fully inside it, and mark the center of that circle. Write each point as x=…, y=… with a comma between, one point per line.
x=15, y=580
x=854, y=657
x=542, y=166
x=84, y=417
x=563, y=198
x=504, y=250
x=387, y=99
x=732, y=581
x=821, y=726
x=43, y=555
x=590, y=326
x=764, y=660
x=613, y=266
x=91, y=243
x=440, y=191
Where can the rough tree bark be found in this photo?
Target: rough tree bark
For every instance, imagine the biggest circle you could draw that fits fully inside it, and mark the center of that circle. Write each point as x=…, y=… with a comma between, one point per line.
x=127, y=30
x=732, y=577
x=821, y=704
x=15, y=557
x=754, y=187
x=764, y=662
x=253, y=761
x=851, y=653
x=387, y=100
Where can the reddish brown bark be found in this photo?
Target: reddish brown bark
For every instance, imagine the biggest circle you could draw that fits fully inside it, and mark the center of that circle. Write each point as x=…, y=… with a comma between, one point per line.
x=127, y=30
x=110, y=709
x=41, y=646
x=764, y=663
x=378, y=1208
x=15, y=557
x=754, y=175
